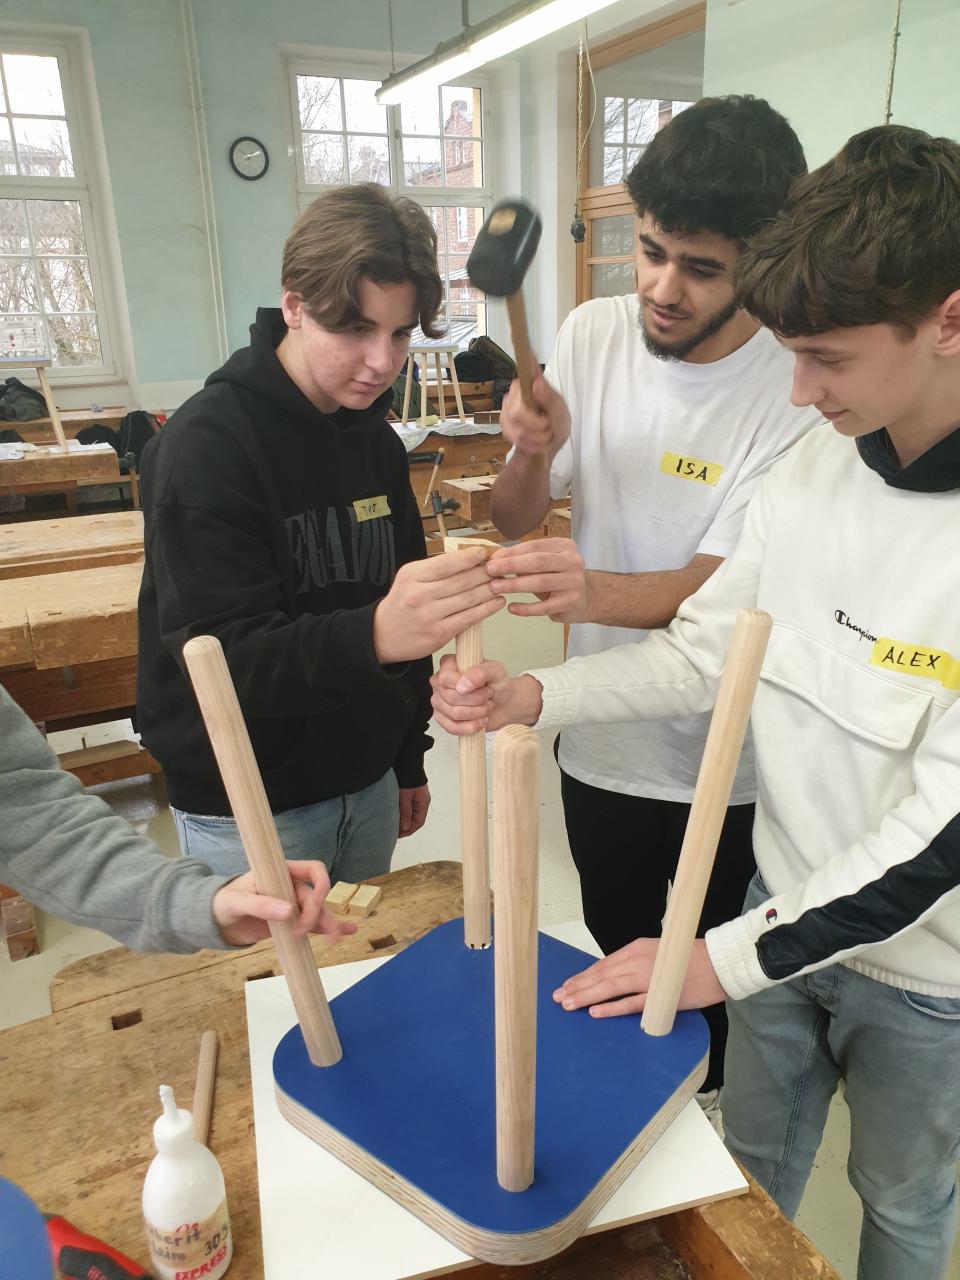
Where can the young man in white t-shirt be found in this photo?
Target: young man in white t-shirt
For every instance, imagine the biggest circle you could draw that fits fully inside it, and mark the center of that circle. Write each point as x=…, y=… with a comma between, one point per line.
x=658, y=420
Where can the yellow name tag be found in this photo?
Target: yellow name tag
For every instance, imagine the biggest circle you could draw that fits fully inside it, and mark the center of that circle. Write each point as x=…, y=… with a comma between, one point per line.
x=675, y=464
x=915, y=660
x=372, y=508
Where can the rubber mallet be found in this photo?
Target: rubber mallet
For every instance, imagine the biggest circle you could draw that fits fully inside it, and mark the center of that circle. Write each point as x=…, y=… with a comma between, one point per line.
x=498, y=262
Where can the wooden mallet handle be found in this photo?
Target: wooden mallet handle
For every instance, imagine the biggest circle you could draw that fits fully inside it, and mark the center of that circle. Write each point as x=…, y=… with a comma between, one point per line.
x=728, y=727
x=527, y=366
x=516, y=816
x=248, y=800
x=203, y=1090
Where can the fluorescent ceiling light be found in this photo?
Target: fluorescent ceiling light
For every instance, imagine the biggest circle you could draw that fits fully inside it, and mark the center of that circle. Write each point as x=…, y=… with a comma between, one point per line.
x=514, y=27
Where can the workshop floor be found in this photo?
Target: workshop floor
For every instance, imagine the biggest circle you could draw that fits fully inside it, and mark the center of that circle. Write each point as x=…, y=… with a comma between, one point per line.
x=830, y=1213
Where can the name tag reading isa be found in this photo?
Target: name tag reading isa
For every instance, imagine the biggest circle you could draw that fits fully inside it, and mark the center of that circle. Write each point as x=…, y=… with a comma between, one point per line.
x=676, y=464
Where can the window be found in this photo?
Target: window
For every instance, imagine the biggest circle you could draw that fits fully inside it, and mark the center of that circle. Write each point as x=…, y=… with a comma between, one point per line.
x=49, y=282
x=628, y=125
x=431, y=150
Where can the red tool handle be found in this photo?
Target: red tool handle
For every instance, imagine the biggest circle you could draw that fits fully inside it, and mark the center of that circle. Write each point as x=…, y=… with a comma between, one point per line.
x=83, y=1257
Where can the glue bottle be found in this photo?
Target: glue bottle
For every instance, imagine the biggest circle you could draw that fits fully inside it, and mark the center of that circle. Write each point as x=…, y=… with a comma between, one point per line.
x=184, y=1201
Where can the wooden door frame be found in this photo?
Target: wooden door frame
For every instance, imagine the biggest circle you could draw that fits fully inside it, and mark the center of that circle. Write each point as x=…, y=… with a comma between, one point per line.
x=604, y=202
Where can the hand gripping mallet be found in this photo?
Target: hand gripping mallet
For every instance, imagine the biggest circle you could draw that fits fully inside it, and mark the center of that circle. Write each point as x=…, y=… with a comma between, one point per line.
x=728, y=727
x=248, y=800
x=498, y=262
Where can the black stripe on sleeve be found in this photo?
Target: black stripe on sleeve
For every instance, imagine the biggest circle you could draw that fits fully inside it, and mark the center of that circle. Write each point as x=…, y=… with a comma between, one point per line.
x=875, y=913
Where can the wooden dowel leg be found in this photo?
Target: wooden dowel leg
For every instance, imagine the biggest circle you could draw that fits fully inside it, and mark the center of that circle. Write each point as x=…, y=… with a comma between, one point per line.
x=451, y=365
x=248, y=800
x=443, y=403
x=516, y=810
x=728, y=727
x=52, y=412
x=203, y=1090
x=407, y=386
x=473, y=810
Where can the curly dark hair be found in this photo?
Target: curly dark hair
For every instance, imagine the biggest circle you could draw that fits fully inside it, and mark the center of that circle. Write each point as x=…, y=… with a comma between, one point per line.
x=723, y=165
x=871, y=237
x=352, y=234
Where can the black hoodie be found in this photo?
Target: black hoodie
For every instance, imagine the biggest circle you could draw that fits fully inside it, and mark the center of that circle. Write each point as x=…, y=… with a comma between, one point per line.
x=277, y=528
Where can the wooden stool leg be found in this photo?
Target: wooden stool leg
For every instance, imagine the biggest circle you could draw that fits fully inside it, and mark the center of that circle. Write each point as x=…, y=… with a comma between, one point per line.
x=52, y=413
x=516, y=812
x=452, y=366
x=248, y=800
x=408, y=384
x=443, y=403
x=728, y=726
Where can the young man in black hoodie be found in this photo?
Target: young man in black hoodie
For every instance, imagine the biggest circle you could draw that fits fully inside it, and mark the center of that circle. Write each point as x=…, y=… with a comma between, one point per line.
x=279, y=518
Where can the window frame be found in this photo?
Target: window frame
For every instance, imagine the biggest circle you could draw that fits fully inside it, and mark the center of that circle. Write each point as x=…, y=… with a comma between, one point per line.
x=82, y=188
x=329, y=66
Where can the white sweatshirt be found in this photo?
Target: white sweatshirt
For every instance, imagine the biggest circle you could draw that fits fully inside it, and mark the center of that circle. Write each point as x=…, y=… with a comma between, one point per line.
x=856, y=720
x=662, y=460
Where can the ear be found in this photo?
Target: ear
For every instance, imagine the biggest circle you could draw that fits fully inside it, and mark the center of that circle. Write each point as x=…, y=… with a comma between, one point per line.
x=291, y=304
x=948, y=315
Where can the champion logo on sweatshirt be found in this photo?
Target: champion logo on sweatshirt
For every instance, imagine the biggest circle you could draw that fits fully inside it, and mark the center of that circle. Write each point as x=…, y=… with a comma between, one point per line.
x=696, y=469
x=916, y=660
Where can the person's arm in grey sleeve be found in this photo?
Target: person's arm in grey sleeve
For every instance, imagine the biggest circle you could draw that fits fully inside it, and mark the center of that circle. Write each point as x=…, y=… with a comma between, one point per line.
x=71, y=855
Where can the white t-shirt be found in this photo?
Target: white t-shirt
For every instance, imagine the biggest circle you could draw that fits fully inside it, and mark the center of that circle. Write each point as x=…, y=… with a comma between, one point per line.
x=662, y=460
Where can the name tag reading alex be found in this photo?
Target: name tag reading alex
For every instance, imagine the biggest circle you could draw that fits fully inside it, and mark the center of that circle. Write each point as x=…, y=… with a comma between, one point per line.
x=372, y=508
x=675, y=464
x=916, y=660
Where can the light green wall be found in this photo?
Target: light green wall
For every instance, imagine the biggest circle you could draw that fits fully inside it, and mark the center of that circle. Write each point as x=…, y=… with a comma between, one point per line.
x=825, y=63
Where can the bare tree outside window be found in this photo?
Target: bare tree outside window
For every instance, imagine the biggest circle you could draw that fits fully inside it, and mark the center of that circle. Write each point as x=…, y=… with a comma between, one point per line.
x=46, y=280
x=425, y=148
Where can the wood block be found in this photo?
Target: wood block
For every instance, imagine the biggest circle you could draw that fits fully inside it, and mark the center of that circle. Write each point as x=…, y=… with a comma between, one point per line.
x=17, y=914
x=21, y=945
x=464, y=544
x=364, y=900
x=338, y=899
x=472, y=495
x=109, y=762
x=558, y=523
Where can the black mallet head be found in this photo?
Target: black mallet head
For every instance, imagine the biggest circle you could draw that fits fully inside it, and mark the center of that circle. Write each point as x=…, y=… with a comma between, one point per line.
x=504, y=248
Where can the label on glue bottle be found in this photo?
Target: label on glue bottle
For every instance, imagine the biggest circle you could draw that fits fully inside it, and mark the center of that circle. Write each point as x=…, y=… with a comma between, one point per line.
x=192, y=1249
x=184, y=1202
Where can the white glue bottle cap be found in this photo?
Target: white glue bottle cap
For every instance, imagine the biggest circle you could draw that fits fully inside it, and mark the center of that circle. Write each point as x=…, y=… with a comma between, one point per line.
x=173, y=1129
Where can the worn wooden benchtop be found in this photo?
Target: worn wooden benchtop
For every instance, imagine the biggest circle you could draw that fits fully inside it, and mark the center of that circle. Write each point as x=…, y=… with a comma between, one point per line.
x=71, y=542
x=49, y=466
x=65, y=619
x=80, y=1097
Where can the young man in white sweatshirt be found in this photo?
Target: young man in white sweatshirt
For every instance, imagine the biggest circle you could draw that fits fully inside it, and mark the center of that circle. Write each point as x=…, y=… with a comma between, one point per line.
x=659, y=412
x=845, y=963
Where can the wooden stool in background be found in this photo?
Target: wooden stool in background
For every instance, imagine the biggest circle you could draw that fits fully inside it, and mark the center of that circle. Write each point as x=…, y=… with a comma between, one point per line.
x=426, y=351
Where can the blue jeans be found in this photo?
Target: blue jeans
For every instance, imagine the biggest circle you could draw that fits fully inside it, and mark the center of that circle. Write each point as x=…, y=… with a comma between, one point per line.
x=899, y=1054
x=353, y=835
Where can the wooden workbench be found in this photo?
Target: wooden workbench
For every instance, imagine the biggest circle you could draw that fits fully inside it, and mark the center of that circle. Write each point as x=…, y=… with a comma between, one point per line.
x=80, y=1097
x=55, y=546
x=50, y=470
x=68, y=656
